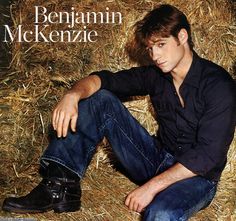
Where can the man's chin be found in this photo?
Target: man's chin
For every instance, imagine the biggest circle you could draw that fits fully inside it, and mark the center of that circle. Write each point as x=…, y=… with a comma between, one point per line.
x=165, y=70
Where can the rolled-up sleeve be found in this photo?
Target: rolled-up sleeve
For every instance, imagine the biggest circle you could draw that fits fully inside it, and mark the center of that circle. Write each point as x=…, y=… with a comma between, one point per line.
x=215, y=129
x=132, y=82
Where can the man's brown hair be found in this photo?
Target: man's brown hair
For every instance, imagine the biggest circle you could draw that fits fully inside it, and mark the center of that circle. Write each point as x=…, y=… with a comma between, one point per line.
x=163, y=21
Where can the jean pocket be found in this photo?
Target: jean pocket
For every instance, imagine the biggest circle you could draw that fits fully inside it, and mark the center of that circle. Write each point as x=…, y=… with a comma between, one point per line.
x=167, y=162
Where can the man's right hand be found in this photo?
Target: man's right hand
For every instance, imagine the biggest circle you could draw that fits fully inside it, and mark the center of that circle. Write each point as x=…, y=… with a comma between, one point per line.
x=66, y=111
x=65, y=114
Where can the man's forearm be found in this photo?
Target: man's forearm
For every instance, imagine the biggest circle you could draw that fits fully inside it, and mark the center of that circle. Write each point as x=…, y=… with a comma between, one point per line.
x=85, y=87
x=174, y=174
x=139, y=198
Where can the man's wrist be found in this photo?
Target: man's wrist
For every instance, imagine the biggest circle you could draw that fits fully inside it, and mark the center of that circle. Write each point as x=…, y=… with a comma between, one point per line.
x=159, y=183
x=73, y=94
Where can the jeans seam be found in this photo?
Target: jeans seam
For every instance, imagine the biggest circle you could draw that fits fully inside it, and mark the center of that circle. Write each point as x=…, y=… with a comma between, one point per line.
x=163, y=161
x=103, y=125
x=57, y=160
x=112, y=118
x=86, y=163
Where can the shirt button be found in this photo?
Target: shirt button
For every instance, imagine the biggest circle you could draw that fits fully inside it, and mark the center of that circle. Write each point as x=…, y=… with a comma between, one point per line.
x=179, y=147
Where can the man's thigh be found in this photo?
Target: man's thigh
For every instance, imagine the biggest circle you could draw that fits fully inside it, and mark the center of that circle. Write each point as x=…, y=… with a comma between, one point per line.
x=181, y=200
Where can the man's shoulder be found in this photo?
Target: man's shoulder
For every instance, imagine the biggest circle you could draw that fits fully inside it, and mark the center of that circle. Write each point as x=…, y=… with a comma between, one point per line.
x=216, y=81
x=213, y=72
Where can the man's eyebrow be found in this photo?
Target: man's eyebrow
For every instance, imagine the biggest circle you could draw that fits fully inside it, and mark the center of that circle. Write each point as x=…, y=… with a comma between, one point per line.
x=157, y=40
x=150, y=42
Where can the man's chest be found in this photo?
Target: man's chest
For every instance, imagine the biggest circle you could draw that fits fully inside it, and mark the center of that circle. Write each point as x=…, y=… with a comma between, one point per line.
x=182, y=108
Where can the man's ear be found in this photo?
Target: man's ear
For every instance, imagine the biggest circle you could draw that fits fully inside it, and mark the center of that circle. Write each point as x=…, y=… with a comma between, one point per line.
x=183, y=36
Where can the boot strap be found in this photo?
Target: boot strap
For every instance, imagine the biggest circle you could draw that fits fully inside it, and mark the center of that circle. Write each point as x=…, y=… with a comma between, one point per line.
x=60, y=182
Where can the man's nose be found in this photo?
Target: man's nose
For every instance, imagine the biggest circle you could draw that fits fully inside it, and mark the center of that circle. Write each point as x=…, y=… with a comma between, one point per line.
x=155, y=54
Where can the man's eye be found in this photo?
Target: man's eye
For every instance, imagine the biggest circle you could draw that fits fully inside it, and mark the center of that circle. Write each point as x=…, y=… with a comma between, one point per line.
x=160, y=45
x=149, y=49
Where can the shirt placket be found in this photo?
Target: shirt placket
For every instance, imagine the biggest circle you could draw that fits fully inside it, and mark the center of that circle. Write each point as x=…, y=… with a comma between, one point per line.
x=179, y=120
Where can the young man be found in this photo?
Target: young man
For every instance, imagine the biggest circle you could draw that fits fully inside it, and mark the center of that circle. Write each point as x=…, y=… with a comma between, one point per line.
x=177, y=170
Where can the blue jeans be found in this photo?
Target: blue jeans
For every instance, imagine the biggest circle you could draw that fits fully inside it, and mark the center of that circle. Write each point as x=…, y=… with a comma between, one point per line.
x=140, y=154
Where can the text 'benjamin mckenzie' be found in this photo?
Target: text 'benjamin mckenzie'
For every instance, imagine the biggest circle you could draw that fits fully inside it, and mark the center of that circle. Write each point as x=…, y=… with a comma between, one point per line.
x=42, y=30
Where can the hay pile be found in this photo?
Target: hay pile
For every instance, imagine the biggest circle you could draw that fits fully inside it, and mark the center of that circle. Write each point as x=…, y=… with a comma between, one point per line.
x=40, y=73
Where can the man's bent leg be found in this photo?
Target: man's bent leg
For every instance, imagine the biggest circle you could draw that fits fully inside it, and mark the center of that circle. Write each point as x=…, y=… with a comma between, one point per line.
x=100, y=115
x=181, y=200
x=104, y=115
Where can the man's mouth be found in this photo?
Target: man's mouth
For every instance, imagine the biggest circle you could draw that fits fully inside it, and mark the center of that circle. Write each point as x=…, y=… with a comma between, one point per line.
x=161, y=64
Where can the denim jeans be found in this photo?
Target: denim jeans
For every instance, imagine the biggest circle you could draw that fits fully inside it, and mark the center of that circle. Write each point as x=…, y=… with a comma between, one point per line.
x=142, y=157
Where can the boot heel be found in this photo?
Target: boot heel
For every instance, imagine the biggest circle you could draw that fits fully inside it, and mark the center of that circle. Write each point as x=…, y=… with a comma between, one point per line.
x=67, y=207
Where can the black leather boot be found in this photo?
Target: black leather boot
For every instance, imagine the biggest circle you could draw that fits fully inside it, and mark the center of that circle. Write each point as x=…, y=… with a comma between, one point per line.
x=59, y=191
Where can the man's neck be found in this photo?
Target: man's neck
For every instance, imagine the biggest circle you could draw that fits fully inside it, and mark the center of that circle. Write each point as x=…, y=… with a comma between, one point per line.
x=180, y=72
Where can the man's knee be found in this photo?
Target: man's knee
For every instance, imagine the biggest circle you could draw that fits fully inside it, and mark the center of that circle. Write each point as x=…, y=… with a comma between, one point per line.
x=103, y=95
x=104, y=101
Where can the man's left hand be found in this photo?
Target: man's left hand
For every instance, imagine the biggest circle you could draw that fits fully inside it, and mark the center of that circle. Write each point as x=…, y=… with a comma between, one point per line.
x=139, y=198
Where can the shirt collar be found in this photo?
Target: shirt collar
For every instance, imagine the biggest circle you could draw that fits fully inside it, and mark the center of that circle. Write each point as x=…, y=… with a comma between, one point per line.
x=193, y=76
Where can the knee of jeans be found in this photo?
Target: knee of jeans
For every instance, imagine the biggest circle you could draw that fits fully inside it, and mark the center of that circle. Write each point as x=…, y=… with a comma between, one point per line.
x=104, y=95
x=155, y=214
x=105, y=99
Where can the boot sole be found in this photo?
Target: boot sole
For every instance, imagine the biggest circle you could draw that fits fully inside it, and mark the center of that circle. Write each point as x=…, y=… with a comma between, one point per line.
x=57, y=208
x=18, y=210
x=67, y=207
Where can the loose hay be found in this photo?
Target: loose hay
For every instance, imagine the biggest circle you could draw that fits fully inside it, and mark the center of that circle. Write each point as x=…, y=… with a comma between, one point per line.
x=40, y=73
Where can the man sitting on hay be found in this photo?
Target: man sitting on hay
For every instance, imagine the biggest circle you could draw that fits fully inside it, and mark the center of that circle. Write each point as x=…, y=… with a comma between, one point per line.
x=178, y=170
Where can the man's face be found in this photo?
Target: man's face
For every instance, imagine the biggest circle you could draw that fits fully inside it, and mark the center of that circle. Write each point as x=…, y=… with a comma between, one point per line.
x=166, y=53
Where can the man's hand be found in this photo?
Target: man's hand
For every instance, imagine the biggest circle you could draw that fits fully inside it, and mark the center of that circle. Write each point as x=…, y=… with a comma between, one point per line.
x=65, y=113
x=139, y=198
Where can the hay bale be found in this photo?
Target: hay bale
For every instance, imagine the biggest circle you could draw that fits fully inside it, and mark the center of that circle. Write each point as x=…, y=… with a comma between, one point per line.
x=40, y=72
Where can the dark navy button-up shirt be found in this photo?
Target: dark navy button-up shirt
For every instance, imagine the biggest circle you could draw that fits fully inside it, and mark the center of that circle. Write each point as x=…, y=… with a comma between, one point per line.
x=198, y=134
